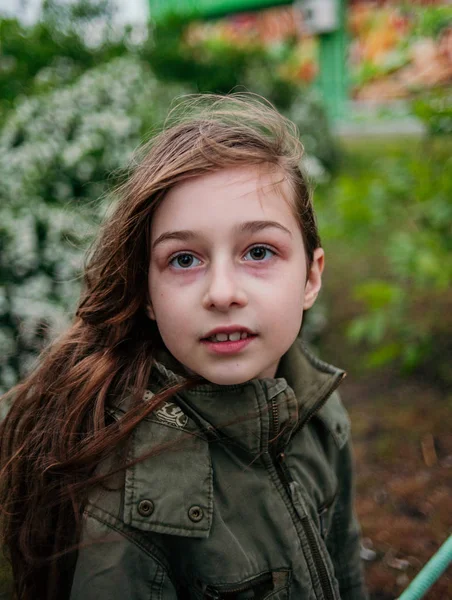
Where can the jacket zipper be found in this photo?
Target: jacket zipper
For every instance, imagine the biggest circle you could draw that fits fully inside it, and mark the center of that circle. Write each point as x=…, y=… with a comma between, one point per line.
x=274, y=419
x=314, y=547
x=319, y=562
x=291, y=485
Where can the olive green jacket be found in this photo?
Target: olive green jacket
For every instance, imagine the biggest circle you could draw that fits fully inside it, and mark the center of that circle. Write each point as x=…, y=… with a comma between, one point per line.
x=247, y=493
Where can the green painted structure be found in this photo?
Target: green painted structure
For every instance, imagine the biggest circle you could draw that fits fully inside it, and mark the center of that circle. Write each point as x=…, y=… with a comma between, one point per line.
x=209, y=9
x=332, y=81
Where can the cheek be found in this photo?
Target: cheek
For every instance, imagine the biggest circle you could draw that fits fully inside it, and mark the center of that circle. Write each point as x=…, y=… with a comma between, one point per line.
x=290, y=286
x=171, y=309
x=287, y=300
x=159, y=291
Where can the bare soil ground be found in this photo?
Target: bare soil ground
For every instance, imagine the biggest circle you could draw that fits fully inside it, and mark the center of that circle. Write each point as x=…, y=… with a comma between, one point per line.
x=402, y=433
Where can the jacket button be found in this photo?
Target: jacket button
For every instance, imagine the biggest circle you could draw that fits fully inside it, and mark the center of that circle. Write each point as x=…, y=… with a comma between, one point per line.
x=195, y=513
x=146, y=508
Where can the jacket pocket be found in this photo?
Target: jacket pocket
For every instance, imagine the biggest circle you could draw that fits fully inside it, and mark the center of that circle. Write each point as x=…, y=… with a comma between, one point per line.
x=272, y=585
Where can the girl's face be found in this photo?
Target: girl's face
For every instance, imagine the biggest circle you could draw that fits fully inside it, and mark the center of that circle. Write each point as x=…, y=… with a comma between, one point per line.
x=228, y=258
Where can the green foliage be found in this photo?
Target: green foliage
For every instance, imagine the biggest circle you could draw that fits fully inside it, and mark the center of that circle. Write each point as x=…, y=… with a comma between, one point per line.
x=390, y=221
x=431, y=21
x=434, y=109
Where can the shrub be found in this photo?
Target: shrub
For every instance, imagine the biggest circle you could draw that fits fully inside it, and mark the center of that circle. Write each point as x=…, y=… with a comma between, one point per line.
x=57, y=152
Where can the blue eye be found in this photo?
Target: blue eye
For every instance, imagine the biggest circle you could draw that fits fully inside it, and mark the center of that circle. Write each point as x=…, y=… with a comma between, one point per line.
x=184, y=261
x=259, y=253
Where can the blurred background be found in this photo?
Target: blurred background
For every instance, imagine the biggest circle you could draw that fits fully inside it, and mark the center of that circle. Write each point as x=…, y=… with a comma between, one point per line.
x=368, y=83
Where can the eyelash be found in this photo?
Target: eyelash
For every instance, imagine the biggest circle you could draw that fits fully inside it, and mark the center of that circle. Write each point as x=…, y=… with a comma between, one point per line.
x=175, y=256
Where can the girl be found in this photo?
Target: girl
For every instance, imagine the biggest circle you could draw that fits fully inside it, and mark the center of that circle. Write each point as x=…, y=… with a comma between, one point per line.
x=178, y=441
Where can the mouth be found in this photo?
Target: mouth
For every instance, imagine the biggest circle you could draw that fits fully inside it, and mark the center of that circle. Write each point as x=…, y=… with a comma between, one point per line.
x=222, y=343
x=228, y=334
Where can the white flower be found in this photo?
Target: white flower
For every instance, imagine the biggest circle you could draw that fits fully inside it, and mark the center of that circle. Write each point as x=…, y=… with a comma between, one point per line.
x=57, y=151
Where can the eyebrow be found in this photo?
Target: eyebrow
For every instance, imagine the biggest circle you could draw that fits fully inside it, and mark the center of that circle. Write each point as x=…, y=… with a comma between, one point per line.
x=186, y=235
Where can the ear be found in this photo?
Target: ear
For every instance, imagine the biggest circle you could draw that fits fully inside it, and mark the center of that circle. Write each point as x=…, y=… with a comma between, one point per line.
x=314, y=280
x=150, y=311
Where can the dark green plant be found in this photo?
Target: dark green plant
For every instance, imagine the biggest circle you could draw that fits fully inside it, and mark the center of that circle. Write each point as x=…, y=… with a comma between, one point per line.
x=388, y=215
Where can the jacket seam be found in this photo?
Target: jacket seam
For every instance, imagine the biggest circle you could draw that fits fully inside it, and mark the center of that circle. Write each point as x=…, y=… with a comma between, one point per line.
x=161, y=574
x=173, y=527
x=254, y=576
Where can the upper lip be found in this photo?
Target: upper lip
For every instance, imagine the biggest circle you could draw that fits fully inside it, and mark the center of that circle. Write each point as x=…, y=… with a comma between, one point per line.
x=227, y=329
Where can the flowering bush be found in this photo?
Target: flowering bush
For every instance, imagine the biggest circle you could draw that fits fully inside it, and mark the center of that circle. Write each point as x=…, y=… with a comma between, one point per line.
x=57, y=152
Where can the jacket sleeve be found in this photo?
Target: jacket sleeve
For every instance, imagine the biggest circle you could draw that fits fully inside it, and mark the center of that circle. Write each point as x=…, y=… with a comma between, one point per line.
x=112, y=565
x=345, y=535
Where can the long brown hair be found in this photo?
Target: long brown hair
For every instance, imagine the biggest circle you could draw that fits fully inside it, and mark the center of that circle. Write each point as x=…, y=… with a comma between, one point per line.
x=56, y=431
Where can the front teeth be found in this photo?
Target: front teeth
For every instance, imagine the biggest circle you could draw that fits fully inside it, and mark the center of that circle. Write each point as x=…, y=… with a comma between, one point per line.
x=220, y=337
x=232, y=337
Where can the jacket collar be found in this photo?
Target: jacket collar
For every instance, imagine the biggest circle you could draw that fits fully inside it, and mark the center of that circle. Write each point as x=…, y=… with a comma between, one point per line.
x=238, y=416
x=244, y=414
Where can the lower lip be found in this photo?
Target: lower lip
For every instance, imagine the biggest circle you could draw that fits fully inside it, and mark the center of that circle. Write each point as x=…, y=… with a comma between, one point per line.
x=228, y=347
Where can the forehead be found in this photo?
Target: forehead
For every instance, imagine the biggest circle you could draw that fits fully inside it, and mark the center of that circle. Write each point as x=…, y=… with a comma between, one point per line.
x=226, y=197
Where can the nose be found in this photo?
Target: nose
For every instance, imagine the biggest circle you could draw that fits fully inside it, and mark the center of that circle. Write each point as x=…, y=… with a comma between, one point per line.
x=224, y=289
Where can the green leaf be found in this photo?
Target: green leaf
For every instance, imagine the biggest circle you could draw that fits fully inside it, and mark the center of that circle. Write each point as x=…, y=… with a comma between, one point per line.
x=384, y=355
x=377, y=294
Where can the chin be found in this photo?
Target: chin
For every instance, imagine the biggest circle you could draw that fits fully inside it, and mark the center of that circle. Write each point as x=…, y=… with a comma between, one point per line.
x=228, y=378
